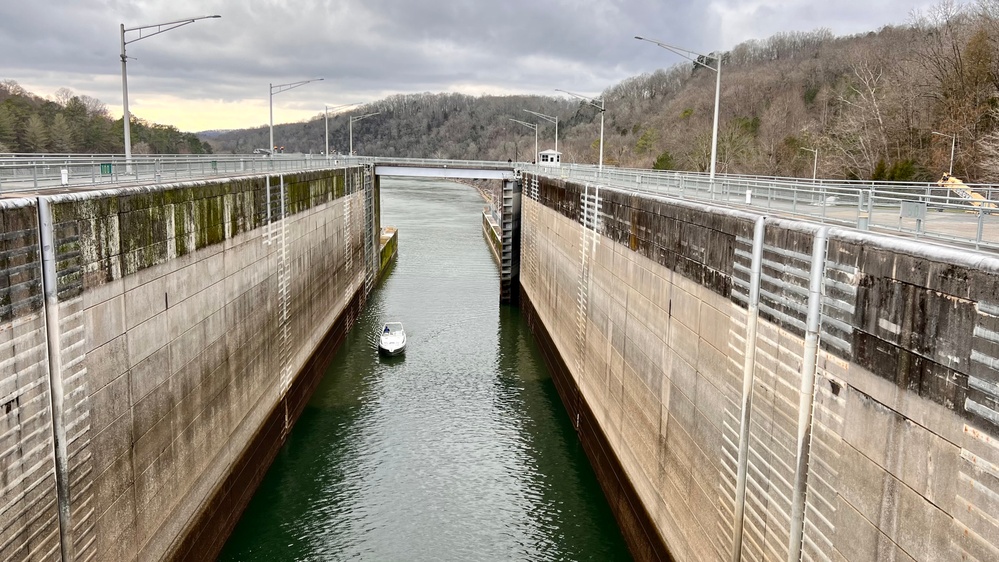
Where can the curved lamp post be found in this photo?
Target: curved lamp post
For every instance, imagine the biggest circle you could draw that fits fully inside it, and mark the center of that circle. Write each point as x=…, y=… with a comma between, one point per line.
x=530, y=126
x=326, y=111
x=160, y=28
x=351, y=124
x=277, y=89
x=686, y=53
x=550, y=119
x=594, y=102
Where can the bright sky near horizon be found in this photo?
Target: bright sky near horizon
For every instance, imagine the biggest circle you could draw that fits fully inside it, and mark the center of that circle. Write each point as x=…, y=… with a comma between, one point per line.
x=214, y=73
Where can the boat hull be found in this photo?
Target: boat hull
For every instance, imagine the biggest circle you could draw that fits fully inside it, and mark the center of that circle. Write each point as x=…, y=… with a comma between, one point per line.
x=391, y=351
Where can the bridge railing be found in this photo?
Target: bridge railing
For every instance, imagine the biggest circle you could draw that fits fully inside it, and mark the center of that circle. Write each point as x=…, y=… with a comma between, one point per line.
x=916, y=209
x=434, y=163
x=39, y=172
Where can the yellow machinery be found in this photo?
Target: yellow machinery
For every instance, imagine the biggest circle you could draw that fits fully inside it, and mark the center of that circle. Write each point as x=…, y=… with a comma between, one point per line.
x=957, y=186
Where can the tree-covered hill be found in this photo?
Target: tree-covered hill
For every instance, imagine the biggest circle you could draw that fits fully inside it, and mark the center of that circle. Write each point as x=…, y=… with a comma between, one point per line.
x=880, y=105
x=885, y=105
x=80, y=124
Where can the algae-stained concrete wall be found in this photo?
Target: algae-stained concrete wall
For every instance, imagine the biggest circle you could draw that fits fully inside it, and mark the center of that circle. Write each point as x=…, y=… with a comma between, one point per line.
x=186, y=315
x=491, y=232
x=389, y=248
x=647, y=311
x=29, y=523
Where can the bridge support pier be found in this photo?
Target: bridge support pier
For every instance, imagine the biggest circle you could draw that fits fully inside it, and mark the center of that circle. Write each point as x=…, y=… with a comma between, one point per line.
x=510, y=257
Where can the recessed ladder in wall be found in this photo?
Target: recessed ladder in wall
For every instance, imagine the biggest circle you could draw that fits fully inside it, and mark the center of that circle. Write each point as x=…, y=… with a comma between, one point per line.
x=590, y=218
x=372, y=239
x=509, y=237
x=348, y=233
x=531, y=237
x=284, y=296
x=276, y=213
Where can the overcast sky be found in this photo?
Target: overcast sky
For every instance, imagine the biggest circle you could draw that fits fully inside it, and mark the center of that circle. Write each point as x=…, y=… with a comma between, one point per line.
x=214, y=74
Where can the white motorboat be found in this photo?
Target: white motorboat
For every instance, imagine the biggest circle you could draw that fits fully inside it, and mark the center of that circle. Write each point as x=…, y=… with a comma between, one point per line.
x=393, y=339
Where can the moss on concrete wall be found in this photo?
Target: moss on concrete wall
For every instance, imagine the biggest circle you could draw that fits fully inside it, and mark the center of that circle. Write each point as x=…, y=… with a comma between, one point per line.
x=20, y=262
x=902, y=414
x=120, y=232
x=389, y=247
x=169, y=304
x=490, y=231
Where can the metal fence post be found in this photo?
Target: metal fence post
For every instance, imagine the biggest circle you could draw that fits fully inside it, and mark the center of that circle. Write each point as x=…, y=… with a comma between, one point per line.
x=981, y=226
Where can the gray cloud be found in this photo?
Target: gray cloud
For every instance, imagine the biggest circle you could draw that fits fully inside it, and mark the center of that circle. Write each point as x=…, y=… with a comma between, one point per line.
x=367, y=49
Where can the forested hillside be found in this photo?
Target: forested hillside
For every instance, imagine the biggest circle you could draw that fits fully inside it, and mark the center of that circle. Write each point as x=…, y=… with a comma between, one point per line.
x=80, y=124
x=869, y=104
x=886, y=105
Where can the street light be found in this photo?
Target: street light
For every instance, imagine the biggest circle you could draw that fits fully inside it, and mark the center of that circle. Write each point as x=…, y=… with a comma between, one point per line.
x=351, y=124
x=550, y=119
x=815, y=162
x=593, y=102
x=160, y=28
x=277, y=90
x=953, y=141
x=327, y=113
x=530, y=126
x=686, y=53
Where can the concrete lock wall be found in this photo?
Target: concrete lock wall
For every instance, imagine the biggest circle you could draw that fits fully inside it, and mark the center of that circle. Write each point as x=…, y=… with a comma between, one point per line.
x=185, y=319
x=29, y=520
x=888, y=452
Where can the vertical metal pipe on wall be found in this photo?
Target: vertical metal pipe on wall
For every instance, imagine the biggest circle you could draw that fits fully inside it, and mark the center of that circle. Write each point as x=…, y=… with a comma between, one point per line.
x=748, y=367
x=50, y=288
x=267, y=188
x=806, y=394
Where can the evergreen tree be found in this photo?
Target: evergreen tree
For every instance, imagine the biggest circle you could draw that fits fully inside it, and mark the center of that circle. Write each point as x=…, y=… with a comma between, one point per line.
x=664, y=162
x=60, y=135
x=36, y=135
x=7, y=126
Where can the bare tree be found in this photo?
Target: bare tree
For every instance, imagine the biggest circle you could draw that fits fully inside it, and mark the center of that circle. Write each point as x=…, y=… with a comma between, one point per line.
x=63, y=95
x=989, y=149
x=859, y=137
x=959, y=52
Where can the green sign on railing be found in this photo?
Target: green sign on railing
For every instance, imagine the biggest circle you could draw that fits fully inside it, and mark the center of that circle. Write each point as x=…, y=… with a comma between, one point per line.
x=215, y=165
x=105, y=169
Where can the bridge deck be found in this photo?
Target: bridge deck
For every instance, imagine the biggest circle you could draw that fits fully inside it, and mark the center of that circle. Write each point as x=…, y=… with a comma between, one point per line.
x=445, y=171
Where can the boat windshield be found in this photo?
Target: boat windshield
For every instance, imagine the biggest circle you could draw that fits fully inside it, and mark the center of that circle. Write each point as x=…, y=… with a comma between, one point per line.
x=393, y=328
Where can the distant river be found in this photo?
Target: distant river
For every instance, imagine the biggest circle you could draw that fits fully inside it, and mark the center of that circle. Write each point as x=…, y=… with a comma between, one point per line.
x=460, y=450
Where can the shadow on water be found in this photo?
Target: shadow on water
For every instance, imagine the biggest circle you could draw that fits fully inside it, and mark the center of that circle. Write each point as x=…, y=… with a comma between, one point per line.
x=457, y=450
x=391, y=359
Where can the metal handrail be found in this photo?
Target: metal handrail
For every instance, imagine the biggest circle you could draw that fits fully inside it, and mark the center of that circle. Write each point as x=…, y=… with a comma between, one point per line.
x=39, y=173
x=922, y=210
x=915, y=209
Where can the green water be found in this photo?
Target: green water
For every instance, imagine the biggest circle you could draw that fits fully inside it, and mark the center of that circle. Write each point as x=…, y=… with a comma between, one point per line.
x=458, y=450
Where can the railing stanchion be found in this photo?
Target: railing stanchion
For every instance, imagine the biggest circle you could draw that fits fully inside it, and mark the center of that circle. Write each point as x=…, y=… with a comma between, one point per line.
x=981, y=226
